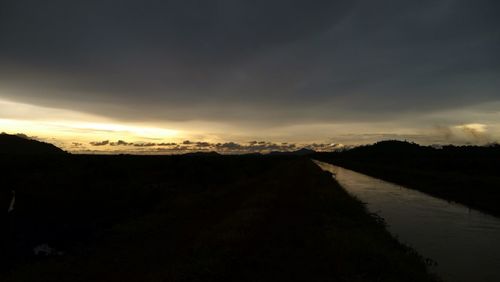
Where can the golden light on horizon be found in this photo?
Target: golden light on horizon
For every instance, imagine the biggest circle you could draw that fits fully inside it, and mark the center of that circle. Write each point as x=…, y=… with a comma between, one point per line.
x=69, y=126
x=77, y=131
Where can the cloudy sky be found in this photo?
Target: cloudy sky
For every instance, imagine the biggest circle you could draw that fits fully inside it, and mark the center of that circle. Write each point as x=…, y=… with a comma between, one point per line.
x=79, y=73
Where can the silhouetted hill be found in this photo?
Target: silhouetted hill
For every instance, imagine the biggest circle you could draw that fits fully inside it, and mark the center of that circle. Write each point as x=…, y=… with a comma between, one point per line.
x=211, y=153
x=301, y=152
x=18, y=144
x=390, y=147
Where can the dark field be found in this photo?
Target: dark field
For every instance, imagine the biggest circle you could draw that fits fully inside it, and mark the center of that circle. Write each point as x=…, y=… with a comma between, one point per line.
x=191, y=218
x=465, y=174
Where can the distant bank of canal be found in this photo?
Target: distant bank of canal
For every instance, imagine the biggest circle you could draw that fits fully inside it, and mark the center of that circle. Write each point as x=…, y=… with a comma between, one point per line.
x=465, y=243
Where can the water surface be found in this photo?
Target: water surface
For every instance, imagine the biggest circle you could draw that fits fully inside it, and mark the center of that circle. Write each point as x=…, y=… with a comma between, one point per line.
x=465, y=243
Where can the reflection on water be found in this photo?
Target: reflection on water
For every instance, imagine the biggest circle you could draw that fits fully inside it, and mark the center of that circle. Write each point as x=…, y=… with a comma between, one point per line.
x=465, y=243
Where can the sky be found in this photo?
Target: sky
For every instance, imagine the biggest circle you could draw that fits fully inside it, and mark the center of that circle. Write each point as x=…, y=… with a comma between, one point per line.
x=120, y=76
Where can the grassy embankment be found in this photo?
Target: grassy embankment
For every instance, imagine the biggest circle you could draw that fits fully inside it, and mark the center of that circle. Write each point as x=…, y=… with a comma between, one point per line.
x=467, y=175
x=124, y=218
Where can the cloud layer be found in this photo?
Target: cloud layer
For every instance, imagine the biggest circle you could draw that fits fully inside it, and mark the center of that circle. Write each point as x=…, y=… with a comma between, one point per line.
x=281, y=61
x=257, y=66
x=190, y=146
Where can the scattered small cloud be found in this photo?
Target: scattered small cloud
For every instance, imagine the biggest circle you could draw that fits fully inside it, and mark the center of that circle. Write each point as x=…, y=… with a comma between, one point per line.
x=149, y=144
x=166, y=144
x=227, y=147
x=203, y=144
x=119, y=143
x=100, y=143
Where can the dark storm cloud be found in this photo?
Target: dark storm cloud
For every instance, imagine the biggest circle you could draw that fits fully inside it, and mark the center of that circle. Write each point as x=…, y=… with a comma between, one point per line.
x=244, y=61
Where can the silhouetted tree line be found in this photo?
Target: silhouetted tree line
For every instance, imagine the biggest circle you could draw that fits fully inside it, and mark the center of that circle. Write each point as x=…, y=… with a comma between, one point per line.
x=467, y=174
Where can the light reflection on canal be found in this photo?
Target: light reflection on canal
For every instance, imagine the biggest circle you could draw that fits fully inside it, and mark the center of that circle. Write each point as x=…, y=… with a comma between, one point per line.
x=465, y=243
